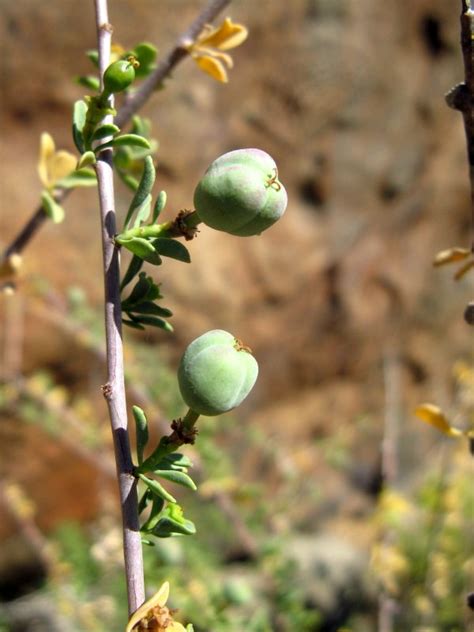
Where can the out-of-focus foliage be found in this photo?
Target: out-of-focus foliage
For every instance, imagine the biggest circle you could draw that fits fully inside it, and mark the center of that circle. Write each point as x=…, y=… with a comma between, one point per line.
x=427, y=566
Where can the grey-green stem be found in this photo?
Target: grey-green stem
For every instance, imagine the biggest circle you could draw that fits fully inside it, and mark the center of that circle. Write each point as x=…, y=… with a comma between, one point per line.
x=114, y=389
x=190, y=419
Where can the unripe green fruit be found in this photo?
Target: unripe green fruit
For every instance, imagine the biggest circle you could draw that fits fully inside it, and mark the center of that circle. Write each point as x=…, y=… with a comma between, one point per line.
x=240, y=193
x=216, y=373
x=118, y=76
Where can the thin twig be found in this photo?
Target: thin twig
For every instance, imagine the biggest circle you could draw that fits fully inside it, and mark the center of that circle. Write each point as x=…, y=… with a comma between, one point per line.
x=462, y=96
x=163, y=70
x=130, y=107
x=114, y=390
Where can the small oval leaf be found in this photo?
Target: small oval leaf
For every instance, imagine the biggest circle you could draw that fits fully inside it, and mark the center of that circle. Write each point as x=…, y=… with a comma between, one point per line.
x=141, y=428
x=156, y=488
x=159, y=206
x=78, y=121
x=142, y=248
x=172, y=248
x=180, y=478
x=153, y=321
x=87, y=158
x=103, y=131
x=52, y=209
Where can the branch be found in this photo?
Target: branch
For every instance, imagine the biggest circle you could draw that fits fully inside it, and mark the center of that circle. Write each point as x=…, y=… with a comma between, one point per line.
x=114, y=390
x=163, y=70
x=461, y=97
x=130, y=107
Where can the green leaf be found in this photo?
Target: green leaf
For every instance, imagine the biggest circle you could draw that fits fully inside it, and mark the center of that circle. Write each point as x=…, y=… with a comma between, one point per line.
x=132, y=324
x=129, y=140
x=141, y=126
x=144, y=189
x=159, y=206
x=156, y=509
x=87, y=158
x=145, y=53
x=152, y=309
x=109, y=129
x=180, y=478
x=172, y=248
x=148, y=542
x=142, y=248
x=52, y=209
x=78, y=178
x=142, y=212
x=133, y=269
x=156, y=489
x=139, y=292
x=153, y=321
x=167, y=527
x=175, y=461
x=141, y=428
x=93, y=56
x=144, y=500
x=128, y=180
x=123, y=158
x=89, y=81
x=145, y=289
x=78, y=121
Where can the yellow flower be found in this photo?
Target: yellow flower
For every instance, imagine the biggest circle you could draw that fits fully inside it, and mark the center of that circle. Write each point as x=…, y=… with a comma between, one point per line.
x=53, y=165
x=154, y=615
x=207, y=49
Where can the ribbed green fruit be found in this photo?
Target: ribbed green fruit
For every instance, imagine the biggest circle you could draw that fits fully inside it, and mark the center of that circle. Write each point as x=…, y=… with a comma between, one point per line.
x=240, y=193
x=118, y=76
x=216, y=373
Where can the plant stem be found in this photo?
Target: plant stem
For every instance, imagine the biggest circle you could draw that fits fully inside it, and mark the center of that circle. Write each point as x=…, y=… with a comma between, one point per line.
x=114, y=390
x=167, y=229
x=190, y=418
x=130, y=107
x=179, y=52
x=462, y=96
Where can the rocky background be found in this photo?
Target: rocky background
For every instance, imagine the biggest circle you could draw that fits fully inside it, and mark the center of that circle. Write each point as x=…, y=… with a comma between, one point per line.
x=347, y=96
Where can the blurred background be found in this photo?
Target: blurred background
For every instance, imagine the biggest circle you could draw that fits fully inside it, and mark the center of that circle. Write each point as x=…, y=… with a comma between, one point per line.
x=351, y=325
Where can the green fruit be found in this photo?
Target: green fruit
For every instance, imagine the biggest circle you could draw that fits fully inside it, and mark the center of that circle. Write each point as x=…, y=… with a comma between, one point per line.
x=240, y=193
x=216, y=373
x=118, y=76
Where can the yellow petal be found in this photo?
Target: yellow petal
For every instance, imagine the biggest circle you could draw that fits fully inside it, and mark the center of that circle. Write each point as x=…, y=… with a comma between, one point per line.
x=176, y=627
x=61, y=165
x=213, y=67
x=204, y=51
x=433, y=415
x=451, y=256
x=47, y=149
x=116, y=52
x=227, y=35
x=158, y=599
x=463, y=270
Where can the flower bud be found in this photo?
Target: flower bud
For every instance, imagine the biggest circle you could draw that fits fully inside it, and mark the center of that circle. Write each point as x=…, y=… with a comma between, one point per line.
x=240, y=193
x=216, y=373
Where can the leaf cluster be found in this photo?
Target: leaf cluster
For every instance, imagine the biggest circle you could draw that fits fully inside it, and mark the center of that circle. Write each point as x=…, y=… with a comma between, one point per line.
x=165, y=516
